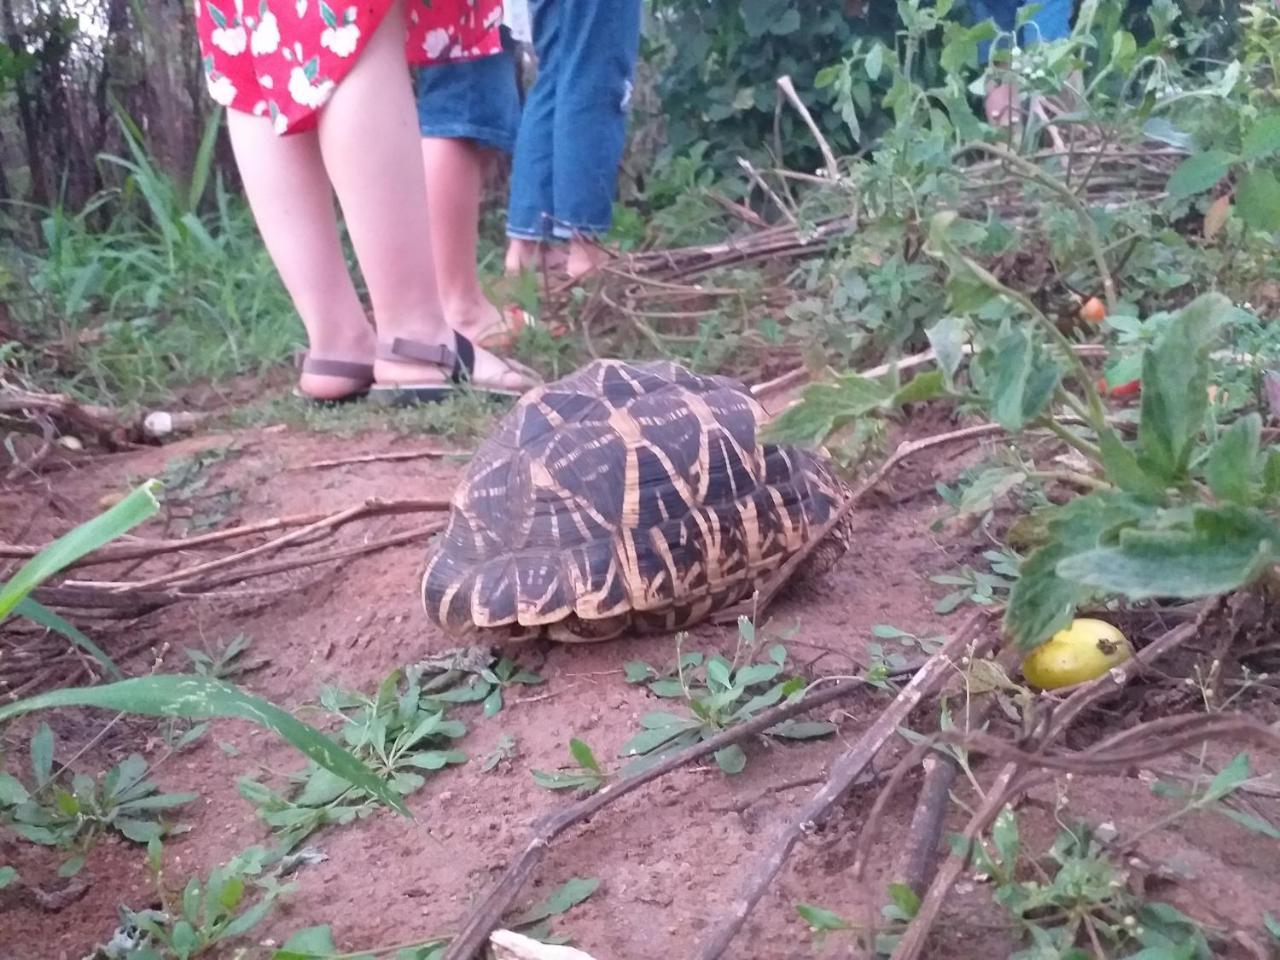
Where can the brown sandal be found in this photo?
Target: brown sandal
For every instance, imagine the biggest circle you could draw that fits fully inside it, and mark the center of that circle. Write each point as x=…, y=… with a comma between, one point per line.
x=459, y=362
x=362, y=373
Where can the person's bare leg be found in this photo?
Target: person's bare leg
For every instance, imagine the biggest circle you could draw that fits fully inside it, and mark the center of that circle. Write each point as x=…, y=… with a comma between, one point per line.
x=292, y=202
x=369, y=139
x=455, y=184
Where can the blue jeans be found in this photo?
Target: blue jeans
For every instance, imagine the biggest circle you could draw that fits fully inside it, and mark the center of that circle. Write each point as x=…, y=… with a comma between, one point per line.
x=565, y=171
x=1051, y=22
x=472, y=99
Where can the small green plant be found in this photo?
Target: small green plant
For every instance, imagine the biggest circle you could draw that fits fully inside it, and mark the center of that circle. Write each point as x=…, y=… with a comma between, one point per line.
x=1078, y=895
x=1215, y=796
x=504, y=751
x=718, y=694
x=970, y=586
x=209, y=913
x=902, y=907
x=397, y=732
x=224, y=662
x=586, y=774
x=487, y=686
x=72, y=813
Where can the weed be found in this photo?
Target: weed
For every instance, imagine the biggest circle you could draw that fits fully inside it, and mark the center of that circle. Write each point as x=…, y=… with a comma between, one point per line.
x=207, y=915
x=72, y=813
x=717, y=694
x=487, y=685
x=970, y=586
x=225, y=662
x=585, y=775
x=504, y=751
x=398, y=733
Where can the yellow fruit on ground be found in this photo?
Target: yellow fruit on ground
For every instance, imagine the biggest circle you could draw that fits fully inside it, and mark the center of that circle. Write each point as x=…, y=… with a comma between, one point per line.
x=1083, y=651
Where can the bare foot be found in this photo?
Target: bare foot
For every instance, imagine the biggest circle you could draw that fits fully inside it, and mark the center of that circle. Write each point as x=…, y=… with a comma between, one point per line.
x=584, y=256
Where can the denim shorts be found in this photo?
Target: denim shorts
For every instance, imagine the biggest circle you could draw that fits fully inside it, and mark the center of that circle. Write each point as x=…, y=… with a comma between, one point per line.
x=472, y=99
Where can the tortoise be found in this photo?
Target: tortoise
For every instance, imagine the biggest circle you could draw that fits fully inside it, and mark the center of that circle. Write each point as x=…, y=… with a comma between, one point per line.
x=626, y=497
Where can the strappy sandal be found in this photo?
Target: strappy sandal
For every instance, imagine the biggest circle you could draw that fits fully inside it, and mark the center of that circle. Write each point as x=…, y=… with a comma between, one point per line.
x=361, y=373
x=460, y=362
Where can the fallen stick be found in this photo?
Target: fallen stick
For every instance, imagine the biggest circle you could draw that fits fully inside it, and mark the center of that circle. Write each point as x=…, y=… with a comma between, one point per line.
x=489, y=912
x=203, y=585
x=422, y=453
x=139, y=549
x=844, y=772
x=788, y=88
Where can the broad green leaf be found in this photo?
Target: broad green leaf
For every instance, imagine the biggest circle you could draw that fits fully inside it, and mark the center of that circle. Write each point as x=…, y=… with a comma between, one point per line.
x=874, y=61
x=1272, y=925
x=1175, y=382
x=718, y=672
x=1226, y=548
x=802, y=729
x=175, y=695
x=755, y=673
x=307, y=943
x=7, y=876
x=39, y=613
x=1004, y=834
x=84, y=539
x=1198, y=173
x=1041, y=602
x=1258, y=200
x=825, y=407
x=1251, y=823
x=1123, y=468
x=1227, y=779
x=583, y=755
x=731, y=759
x=947, y=337
x=1233, y=461
x=183, y=939
x=904, y=898
x=436, y=759
x=667, y=688
x=1009, y=369
x=12, y=792
x=493, y=703
x=559, y=780
x=648, y=740
x=922, y=387
x=139, y=831
x=1263, y=139
x=819, y=918
x=571, y=893
x=247, y=920
x=72, y=866
x=42, y=754
x=637, y=671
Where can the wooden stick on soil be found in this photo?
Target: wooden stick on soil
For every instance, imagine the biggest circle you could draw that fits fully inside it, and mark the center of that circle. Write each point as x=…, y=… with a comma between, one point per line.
x=139, y=549
x=844, y=772
x=392, y=455
x=488, y=913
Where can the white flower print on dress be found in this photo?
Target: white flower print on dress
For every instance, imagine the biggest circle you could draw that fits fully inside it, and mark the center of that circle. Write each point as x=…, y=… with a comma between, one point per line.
x=221, y=89
x=341, y=39
x=227, y=38
x=303, y=91
x=266, y=38
x=279, y=122
x=301, y=7
x=435, y=42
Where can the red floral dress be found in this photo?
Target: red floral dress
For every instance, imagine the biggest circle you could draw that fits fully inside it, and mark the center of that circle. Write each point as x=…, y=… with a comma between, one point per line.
x=283, y=58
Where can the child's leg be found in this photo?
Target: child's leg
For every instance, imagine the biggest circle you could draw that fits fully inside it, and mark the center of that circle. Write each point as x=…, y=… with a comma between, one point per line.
x=292, y=202
x=370, y=142
x=592, y=104
x=532, y=200
x=468, y=114
x=455, y=184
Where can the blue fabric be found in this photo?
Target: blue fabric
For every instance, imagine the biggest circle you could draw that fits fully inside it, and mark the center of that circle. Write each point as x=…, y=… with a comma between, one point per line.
x=472, y=99
x=565, y=171
x=1051, y=22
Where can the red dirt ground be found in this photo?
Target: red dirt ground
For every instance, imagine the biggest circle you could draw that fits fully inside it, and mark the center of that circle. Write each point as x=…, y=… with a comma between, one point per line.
x=670, y=856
